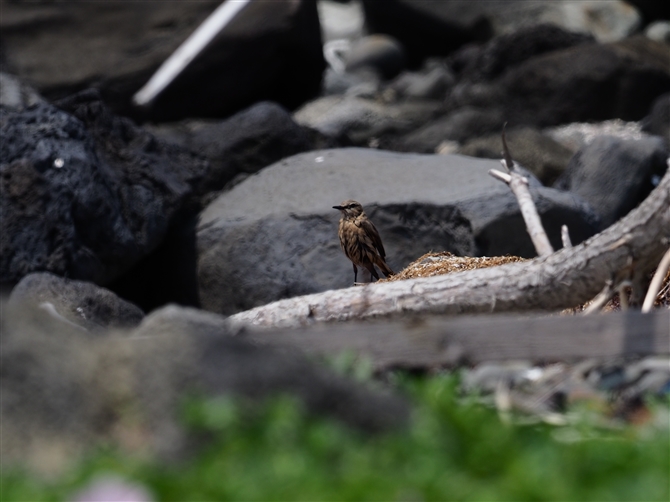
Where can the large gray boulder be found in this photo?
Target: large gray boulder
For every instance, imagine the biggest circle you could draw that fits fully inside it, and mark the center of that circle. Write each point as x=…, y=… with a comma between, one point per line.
x=275, y=234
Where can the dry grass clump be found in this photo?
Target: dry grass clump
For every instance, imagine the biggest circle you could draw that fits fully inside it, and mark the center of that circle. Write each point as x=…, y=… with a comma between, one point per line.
x=432, y=264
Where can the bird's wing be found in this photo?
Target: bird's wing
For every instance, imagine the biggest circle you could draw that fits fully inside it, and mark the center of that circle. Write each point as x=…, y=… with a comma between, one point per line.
x=373, y=234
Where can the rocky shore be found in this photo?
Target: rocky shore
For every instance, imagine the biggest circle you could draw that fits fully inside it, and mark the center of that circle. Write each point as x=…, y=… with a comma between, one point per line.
x=122, y=223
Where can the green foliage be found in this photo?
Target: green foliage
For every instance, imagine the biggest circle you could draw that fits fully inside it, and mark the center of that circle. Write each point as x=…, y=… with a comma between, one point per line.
x=455, y=449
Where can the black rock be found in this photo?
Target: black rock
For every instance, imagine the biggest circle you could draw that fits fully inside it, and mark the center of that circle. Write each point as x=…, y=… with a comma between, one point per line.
x=270, y=50
x=588, y=82
x=507, y=51
x=86, y=194
x=427, y=28
x=68, y=393
x=81, y=303
x=458, y=126
x=540, y=154
x=381, y=53
x=658, y=120
x=615, y=175
x=244, y=143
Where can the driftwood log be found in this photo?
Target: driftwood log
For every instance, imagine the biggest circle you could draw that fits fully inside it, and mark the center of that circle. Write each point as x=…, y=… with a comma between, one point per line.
x=569, y=277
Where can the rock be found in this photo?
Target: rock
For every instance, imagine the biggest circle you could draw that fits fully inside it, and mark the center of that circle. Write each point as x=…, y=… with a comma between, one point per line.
x=77, y=302
x=15, y=94
x=117, y=48
x=509, y=50
x=85, y=194
x=340, y=20
x=381, y=53
x=588, y=82
x=361, y=119
x=432, y=82
x=651, y=10
x=67, y=393
x=437, y=28
x=244, y=143
x=274, y=235
x=615, y=175
x=579, y=134
x=658, y=120
x=659, y=31
x=540, y=154
x=427, y=28
x=458, y=126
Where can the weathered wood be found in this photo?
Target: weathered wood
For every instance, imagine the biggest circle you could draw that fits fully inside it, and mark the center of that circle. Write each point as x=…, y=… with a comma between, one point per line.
x=519, y=186
x=439, y=341
x=566, y=278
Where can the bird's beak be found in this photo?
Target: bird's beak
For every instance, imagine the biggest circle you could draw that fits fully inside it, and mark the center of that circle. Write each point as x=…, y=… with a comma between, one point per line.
x=339, y=208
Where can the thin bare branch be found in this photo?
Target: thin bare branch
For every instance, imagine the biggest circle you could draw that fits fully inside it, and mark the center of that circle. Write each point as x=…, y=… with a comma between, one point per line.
x=601, y=299
x=565, y=237
x=656, y=282
x=519, y=186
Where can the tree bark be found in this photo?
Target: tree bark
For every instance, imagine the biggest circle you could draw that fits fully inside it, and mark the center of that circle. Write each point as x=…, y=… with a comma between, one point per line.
x=566, y=278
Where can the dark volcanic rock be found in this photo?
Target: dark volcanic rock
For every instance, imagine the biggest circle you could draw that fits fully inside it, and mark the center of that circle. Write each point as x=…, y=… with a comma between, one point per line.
x=615, y=175
x=85, y=195
x=244, y=143
x=361, y=119
x=381, y=53
x=78, y=302
x=510, y=50
x=658, y=120
x=274, y=235
x=538, y=153
x=588, y=82
x=117, y=47
x=16, y=94
x=437, y=28
x=431, y=82
x=459, y=126
x=66, y=393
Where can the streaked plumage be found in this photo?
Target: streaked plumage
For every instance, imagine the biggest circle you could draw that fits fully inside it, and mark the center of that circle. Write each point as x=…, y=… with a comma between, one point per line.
x=360, y=240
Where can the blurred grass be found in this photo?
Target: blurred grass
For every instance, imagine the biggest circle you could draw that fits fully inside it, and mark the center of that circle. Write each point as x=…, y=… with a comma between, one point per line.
x=455, y=449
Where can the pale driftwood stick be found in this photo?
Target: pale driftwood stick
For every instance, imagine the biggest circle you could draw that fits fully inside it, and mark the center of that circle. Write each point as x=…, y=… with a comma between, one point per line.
x=519, y=186
x=601, y=299
x=656, y=282
x=438, y=341
x=565, y=237
x=564, y=279
x=188, y=51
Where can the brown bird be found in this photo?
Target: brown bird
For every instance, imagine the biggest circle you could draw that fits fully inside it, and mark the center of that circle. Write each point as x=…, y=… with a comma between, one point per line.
x=360, y=240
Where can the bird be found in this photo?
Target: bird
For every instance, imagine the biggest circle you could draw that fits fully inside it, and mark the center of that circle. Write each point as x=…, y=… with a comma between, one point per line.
x=360, y=240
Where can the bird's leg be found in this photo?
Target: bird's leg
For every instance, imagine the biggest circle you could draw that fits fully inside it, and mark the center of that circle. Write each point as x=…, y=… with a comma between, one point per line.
x=373, y=273
x=355, y=273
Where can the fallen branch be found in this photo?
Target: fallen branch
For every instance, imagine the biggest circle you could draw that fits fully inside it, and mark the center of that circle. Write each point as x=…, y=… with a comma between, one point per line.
x=656, y=282
x=564, y=279
x=565, y=237
x=519, y=186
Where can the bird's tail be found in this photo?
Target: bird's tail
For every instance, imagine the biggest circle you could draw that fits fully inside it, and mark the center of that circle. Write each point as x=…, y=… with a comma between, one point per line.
x=384, y=267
